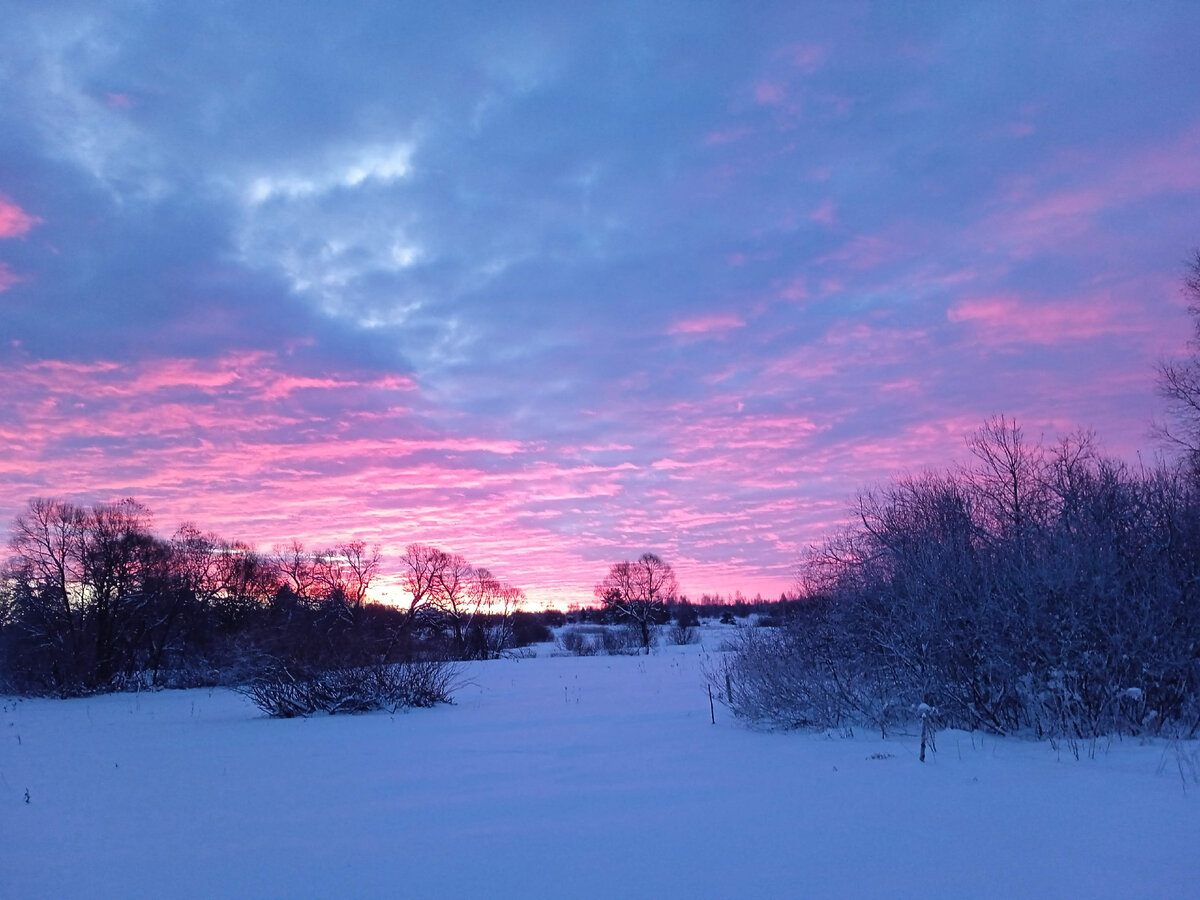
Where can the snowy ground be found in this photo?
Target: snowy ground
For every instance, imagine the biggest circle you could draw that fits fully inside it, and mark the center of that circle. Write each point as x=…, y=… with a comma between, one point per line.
x=598, y=777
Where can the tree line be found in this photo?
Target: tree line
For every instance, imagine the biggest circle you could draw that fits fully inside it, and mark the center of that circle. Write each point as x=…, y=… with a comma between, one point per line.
x=91, y=599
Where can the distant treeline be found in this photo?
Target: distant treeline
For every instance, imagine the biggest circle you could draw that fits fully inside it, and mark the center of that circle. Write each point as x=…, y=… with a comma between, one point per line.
x=685, y=612
x=92, y=600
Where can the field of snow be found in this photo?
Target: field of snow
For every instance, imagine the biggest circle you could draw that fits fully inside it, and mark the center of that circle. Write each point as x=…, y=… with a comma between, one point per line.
x=596, y=777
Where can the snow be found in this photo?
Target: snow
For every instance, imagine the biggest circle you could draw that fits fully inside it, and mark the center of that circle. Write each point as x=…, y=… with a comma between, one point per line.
x=562, y=776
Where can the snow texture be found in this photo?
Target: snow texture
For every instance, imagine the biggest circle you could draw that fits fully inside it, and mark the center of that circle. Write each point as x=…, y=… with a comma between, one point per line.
x=581, y=777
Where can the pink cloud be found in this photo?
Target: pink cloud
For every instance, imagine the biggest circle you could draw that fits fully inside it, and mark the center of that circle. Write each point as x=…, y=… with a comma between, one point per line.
x=8, y=277
x=245, y=447
x=728, y=486
x=1031, y=217
x=717, y=322
x=847, y=345
x=1008, y=318
x=796, y=291
x=867, y=251
x=118, y=100
x=726, y=136
x=806, y=57
x=769, y=93
x=14, y=221
x=838, y=104
x=825, y=214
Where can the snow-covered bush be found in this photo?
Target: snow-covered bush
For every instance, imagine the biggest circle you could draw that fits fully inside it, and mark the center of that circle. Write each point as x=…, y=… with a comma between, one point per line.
x=682, y=635
x=611, y=640
x=579, y=641
x=628, y=639
x=281, y=694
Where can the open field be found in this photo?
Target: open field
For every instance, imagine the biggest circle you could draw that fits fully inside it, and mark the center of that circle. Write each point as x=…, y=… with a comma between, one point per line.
x=553, y=776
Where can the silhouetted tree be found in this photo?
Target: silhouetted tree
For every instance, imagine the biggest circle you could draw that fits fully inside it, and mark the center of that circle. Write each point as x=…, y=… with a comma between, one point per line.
x=420, y=576
x=343, y=574
x=640, y=591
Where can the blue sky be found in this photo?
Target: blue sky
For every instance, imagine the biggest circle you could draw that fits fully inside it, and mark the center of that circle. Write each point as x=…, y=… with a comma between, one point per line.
x=551, y=287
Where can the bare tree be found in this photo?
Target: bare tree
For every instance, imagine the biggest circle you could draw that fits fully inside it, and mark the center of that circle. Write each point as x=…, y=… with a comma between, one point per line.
x=296, y=570
x=420, y=577
x=496, y=604
x=124, y=577
x=343, y=574
x=641, y=591
x=452, y=597
x=1009, y=477
x=92, y=594
x=44, y=571
x=1179, y=382
x=227, y=578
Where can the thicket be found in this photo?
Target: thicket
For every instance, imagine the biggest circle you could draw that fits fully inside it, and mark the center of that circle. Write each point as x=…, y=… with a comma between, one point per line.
x=1042, y=589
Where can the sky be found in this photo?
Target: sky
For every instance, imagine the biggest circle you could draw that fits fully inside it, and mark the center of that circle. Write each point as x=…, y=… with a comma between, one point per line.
x=553, y=285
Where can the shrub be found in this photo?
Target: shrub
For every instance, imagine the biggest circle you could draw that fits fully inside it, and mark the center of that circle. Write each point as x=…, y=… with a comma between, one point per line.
x=626, y=640
x=283, y=695
x=685, y=614
x=527, y=629
x=590, y=640
x=577, y=642
x=681, y=634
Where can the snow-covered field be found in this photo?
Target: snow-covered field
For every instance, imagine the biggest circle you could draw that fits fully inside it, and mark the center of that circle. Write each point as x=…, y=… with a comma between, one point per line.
x=597, y=777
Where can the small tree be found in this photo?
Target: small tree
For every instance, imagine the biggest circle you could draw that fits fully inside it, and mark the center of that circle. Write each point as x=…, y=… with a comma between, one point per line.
x=640, y=591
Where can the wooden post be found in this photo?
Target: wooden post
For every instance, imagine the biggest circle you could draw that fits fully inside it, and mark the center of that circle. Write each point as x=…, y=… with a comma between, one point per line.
x=926, y=729
x=712, y=710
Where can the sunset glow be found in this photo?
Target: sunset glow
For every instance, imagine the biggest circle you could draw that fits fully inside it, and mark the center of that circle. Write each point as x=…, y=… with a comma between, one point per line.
x=551, y=289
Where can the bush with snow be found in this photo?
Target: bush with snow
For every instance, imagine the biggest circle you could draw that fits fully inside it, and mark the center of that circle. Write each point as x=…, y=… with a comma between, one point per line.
x=610, y=640
x=284, y=695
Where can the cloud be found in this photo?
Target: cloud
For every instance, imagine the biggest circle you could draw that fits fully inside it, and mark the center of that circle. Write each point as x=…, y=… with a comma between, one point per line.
x=806, y=57
x=1011, y=319
x=769, y=93
x=14, y=221
x=7, y=277
x=552, y=286
x=727, y=136
x=348, y=169
x=825, y=213
x=702, y=325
